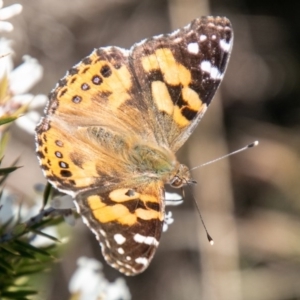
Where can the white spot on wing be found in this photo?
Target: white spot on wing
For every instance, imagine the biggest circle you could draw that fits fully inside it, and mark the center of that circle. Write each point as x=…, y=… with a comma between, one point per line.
x=128, y=258
x=149, y=240
x=142, y=260
x=225, y=46
x=215, y=73
x=208, y=68
x=121, y=250
x=158, y=36
x=110, y=49
x=95, y=233
x=188, y=26
x=119, y=263
x=77, y=207
x=203, y=37
x=85, y=221
x=175, y=32
x=102, y=232
x=119, y=238
x=193, y=48
x=139, y=43
x=129, y=267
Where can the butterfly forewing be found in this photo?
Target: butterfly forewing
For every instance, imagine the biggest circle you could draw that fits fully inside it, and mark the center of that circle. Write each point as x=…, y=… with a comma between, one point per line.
x=180, y=72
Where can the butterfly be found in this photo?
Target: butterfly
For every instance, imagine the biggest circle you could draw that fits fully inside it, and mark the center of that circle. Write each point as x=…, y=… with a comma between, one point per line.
x=112, y=127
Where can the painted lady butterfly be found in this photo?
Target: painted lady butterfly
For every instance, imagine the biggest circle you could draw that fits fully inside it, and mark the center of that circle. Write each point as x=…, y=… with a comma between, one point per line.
x=112, y=127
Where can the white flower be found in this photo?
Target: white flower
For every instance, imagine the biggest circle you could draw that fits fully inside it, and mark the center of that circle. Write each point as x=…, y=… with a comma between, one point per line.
x=7, y=13
x=173, y=199
x=15, y=99
x=117, y=290
x=6, y=62
x=28, y=122
x=88, y=283
x=62, y=202
x=8, y=206
x=25, y=76
x=42, y=241
x=12, y=209
x=65, y=202
x=168, y=220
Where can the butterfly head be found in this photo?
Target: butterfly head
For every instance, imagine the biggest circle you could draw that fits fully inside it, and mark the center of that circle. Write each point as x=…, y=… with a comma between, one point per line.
x=181, y=177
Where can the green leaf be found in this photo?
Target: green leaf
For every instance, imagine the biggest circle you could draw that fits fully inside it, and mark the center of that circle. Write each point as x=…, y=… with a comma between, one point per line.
x=24, y=253
x=26, y=271
x=46, y=222
x=31, y=248
x=5, y=176
x=3, y=86
x=47, y=193
x=46, y=235
x=6, y=171
x=18, y=294
x=9, y=249
x=19, y=229
x=6, y=224
x=1, y=193
x=3, y=143
x=4, y=264
x=6, y=120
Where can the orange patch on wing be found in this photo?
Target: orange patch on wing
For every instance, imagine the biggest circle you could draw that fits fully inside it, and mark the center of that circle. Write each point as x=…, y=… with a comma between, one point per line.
x=119, y=212
x=95, y=202
x=161, y=97
x=55, y=162
x=173, y=72
x=179, y=118
x=192, y=98
x=116, y=85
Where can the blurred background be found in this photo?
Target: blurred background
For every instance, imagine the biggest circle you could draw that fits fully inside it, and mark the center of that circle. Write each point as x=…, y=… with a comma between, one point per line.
x=250, y=202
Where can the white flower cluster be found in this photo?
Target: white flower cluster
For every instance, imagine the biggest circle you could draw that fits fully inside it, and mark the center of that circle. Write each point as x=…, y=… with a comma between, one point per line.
x=7, y=13
x=15, y=101
x=15, y=83
x=88, y=283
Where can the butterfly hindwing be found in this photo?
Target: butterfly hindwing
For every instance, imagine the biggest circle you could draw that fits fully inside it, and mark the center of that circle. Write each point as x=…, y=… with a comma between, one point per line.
x=127, y=222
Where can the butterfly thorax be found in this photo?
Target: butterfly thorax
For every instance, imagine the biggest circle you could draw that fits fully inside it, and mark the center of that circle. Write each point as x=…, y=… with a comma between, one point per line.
x=159, y=163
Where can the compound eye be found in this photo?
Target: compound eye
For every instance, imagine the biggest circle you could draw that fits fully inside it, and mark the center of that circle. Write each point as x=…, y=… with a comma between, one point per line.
x=176, y=182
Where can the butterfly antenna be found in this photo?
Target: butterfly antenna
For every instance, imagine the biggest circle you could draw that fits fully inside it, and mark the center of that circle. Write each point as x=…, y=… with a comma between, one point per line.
x=254, y=144
x=210, y=239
